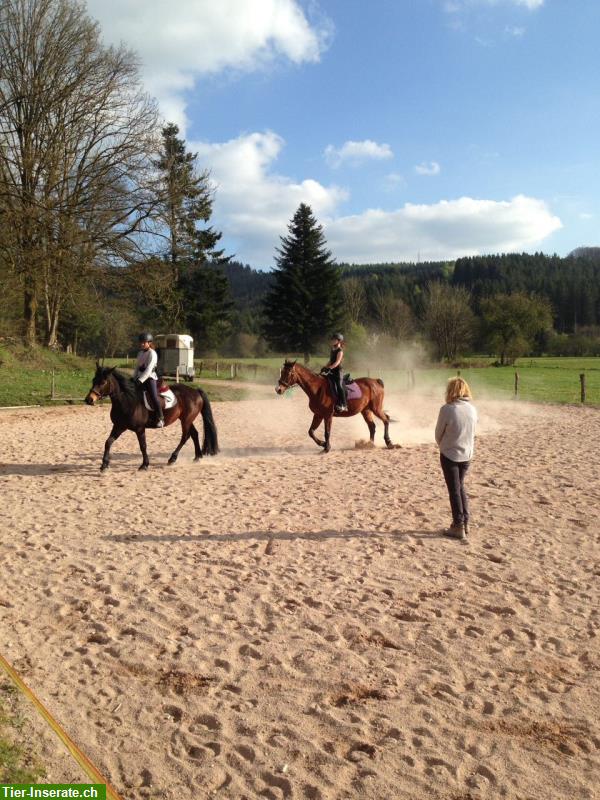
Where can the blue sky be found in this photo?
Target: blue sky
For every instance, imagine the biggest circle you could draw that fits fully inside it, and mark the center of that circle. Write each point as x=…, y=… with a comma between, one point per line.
x=414, y=128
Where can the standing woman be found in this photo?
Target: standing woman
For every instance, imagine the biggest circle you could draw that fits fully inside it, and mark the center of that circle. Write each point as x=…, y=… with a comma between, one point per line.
x=145, y=375
x=455, y=435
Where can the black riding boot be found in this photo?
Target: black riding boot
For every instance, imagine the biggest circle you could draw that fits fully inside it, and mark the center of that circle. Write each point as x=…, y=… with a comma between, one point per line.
x=153, y=391
x=342, y=403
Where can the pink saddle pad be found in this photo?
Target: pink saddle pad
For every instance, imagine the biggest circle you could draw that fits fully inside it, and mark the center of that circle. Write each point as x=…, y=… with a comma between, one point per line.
x=353, y=391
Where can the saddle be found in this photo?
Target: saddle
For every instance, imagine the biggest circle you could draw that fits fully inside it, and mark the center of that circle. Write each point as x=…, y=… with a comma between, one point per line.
x=353, y=391
x=166, y=396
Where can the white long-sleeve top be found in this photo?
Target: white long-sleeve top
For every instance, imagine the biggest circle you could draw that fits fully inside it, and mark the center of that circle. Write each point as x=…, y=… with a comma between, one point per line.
x=455, y=430
x=145, y=366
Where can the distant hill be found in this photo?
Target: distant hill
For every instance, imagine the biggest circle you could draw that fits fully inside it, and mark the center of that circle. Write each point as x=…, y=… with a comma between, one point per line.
x=585, y=252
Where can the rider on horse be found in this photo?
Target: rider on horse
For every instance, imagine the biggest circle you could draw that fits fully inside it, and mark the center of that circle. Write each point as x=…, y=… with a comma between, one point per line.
x=144, y=373
x=334, y=367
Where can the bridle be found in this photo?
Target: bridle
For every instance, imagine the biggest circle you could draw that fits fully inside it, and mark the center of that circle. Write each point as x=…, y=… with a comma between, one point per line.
x=285, y=384
x=98, y=395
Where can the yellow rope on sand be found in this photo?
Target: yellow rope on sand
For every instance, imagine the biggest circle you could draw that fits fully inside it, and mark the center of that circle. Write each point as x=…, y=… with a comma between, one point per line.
x=83, y=761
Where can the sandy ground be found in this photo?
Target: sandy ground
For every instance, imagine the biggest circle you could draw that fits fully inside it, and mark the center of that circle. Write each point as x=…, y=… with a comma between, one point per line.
x=278, y=623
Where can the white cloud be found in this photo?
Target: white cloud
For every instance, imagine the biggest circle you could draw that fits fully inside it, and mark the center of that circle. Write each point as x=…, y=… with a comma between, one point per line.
x=393, y=180
x=253, y=206
x=180, y=42
x=357, y=152
x=531, y=4
x=431, y=168
x=585, y=215
x=456, y=6
x=515, y=31
x=447, y=229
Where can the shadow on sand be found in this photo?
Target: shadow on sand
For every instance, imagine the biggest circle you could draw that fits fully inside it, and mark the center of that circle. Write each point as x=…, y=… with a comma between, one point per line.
x=275, y=536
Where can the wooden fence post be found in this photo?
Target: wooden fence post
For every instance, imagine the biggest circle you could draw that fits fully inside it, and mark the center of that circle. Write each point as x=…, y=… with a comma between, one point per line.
x=582, y=381
x=217, y=368
x=176, y=374
x=52, y=387
x=516, y=383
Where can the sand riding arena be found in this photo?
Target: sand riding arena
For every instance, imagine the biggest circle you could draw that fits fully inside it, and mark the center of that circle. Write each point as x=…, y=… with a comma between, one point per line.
x=274, y=622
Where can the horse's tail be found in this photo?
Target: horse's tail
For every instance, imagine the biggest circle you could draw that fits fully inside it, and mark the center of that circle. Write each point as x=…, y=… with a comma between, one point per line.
x=380, y=382
x=210, y=444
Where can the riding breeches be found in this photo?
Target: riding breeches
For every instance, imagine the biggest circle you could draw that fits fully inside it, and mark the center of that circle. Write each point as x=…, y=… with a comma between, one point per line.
x=152, y=386
x=340, y=389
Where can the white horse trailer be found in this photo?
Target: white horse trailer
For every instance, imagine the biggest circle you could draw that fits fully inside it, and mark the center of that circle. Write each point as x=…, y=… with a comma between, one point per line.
x=175, y=355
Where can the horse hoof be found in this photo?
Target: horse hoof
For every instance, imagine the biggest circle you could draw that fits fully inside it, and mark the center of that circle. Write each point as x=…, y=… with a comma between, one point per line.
x=143, y=467
x=198, y=458
x=171, y=461
x=103, y=467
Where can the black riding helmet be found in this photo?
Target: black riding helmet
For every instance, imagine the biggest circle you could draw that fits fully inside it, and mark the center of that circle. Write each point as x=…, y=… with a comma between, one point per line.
x=145, y=337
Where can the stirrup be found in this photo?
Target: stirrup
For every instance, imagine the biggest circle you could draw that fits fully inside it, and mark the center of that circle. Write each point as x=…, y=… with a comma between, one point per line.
x=160, y=423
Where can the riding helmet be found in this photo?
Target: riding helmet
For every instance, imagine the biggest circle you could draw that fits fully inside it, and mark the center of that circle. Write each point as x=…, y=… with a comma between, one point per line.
x=338, y=336
x=145, y=337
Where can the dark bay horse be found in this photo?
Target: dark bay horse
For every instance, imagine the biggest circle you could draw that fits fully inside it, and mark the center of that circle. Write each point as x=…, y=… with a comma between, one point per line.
x=322, y=403
x=128, y=413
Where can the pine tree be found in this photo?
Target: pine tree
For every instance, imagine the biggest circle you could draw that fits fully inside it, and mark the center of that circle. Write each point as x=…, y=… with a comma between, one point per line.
x=185, y=200
x=209, y=308
x=305, y=303
x=184, y=203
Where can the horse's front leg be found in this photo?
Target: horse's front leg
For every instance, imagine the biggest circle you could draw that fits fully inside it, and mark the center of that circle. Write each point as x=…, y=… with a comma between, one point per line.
x=141, y=435
x=328, y=421
x=317, y=420
x=114, y=435
x=185, y=435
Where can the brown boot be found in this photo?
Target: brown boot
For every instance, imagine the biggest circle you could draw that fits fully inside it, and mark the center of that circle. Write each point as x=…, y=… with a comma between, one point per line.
x=456, y=532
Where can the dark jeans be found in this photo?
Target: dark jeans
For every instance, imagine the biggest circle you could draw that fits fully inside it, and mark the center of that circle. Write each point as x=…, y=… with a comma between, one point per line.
x=454, y=475
x=340, y=389
x=151, y=387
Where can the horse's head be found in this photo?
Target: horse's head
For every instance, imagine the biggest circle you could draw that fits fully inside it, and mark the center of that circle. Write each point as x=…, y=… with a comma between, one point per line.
x=287, y=377
x=101, y=384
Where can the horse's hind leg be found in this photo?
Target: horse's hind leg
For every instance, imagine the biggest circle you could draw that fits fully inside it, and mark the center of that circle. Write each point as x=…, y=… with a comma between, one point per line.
x=386, y=428
x=380, y=413
x=368, y=418
x=185, y=435
x=196, y=441
x=317, y=420
x=114, y=435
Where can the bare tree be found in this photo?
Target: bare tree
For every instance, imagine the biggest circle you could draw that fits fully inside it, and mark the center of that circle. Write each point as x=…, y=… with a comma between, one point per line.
x=449, y=320
x=77, y=135
x=392, y=315
x=355, y=300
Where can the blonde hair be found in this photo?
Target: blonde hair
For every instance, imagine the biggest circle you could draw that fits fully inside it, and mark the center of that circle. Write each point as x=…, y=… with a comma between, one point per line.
x=457, y=389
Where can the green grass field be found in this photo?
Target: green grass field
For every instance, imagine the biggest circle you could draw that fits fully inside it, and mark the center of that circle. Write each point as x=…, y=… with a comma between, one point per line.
x=26, y=378
x=554, y=380
x=16, y=763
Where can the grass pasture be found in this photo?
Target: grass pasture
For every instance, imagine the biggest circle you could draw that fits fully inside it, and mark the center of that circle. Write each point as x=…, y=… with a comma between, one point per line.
x=26, y=378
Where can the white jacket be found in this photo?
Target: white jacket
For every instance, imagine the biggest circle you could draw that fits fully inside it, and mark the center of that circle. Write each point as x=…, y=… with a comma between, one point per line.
x=146, y=365
x=455, y=430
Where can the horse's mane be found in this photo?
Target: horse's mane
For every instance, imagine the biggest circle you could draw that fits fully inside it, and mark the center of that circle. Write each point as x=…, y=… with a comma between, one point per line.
x=126, y=384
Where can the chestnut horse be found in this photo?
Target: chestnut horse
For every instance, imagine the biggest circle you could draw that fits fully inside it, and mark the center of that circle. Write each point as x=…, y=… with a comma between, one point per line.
x=128, y=412
x=322, y=403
